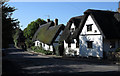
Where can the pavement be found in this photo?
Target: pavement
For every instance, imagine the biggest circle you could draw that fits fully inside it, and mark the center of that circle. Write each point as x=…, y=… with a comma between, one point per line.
x=17, y=62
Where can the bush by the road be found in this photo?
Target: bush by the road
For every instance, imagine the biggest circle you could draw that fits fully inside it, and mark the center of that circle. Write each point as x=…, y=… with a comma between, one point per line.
x=114, y=55
x=41, y=50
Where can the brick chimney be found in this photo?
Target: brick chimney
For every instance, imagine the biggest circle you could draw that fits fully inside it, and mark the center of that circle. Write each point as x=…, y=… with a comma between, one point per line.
x=48, y=20
x=56, y=21
x=119, y=7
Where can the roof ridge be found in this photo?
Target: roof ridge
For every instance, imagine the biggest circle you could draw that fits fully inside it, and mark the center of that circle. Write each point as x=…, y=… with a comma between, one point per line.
x=94, y=10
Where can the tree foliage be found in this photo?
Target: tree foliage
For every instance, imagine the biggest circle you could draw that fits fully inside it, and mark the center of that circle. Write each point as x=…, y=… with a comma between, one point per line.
x=30, y=31
x=32, y=28
x=18, y=37
x=8, y=24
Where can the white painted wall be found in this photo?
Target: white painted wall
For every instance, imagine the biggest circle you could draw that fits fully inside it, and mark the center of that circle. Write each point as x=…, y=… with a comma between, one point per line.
x=94, y=27
x=44, y=46
x=71, y=50
x=73, y=26
x=66, y=48
x=37, y=43
x=48, y=47
x=97, y=50
x=99, y=44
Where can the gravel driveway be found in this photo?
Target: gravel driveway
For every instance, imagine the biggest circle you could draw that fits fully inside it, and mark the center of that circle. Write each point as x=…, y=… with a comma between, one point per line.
x=18, y=62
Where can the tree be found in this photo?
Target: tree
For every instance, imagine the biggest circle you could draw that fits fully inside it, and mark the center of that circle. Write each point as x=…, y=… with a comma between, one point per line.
x=8, y=24
x=18, y=37
x=30, y=31
x=32, y=28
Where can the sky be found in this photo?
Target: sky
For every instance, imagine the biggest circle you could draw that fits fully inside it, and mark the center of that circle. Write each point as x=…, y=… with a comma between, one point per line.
x=30, y=11
x=64, y=0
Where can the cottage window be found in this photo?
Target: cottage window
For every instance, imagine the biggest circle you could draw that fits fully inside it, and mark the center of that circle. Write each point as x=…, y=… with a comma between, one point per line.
x=49, y=46
x=37, y=43
x=72, y=30
x=44, y=45
x=69, y=44
x=40, y=44
x=112, y=44
x=89, y=27
x=89, y=44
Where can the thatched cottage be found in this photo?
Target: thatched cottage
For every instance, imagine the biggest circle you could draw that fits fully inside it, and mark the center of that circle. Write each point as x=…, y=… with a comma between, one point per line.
x=47, y=35
x=92, y=34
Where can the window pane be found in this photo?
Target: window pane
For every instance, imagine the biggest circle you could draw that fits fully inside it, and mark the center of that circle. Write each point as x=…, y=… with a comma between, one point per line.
x=69, y=44
x=89, y=44
x=89, y=27
x=40, y=44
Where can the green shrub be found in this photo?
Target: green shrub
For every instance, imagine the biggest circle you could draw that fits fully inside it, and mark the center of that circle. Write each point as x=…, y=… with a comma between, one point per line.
x=111, y=55
x=41, y=50
x=114, y=56
x=34, y=47
x=28, y=43
x=117, y=50
x=47, y=52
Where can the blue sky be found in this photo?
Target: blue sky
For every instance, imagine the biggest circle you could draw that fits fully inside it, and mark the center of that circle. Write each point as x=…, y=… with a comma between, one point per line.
x=29, y=11
x=64, y=0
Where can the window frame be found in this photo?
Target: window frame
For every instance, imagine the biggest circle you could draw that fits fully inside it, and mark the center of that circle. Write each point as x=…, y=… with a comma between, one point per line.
x=89, y=44
x=37, y=43
x=49, y=46
x=43, y=45
x=69, y=44
x=40, y=44
x=72, y=30
x=89, y=27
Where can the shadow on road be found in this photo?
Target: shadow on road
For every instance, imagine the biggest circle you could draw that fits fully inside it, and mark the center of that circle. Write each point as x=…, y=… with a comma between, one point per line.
x=16, y=62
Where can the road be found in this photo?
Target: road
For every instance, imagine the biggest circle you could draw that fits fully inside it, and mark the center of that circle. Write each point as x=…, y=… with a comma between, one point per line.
x=20, y=63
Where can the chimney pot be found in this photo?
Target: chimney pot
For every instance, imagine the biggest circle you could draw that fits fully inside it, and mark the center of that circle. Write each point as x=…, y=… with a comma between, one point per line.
x=119, y=7
x=56, y=21
x=48, y=20
x=119, y=4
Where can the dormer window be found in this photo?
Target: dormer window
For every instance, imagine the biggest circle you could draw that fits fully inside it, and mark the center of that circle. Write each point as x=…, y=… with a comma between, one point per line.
x=89, y=27
x=72, y=28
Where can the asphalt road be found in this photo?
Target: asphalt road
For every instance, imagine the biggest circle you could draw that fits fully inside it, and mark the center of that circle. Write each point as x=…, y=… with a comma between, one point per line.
x=17, y=62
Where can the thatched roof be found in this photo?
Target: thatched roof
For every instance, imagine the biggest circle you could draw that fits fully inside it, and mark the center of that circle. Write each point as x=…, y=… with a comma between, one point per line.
x=66, y=33
x=47, y=33
x=108, y=23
